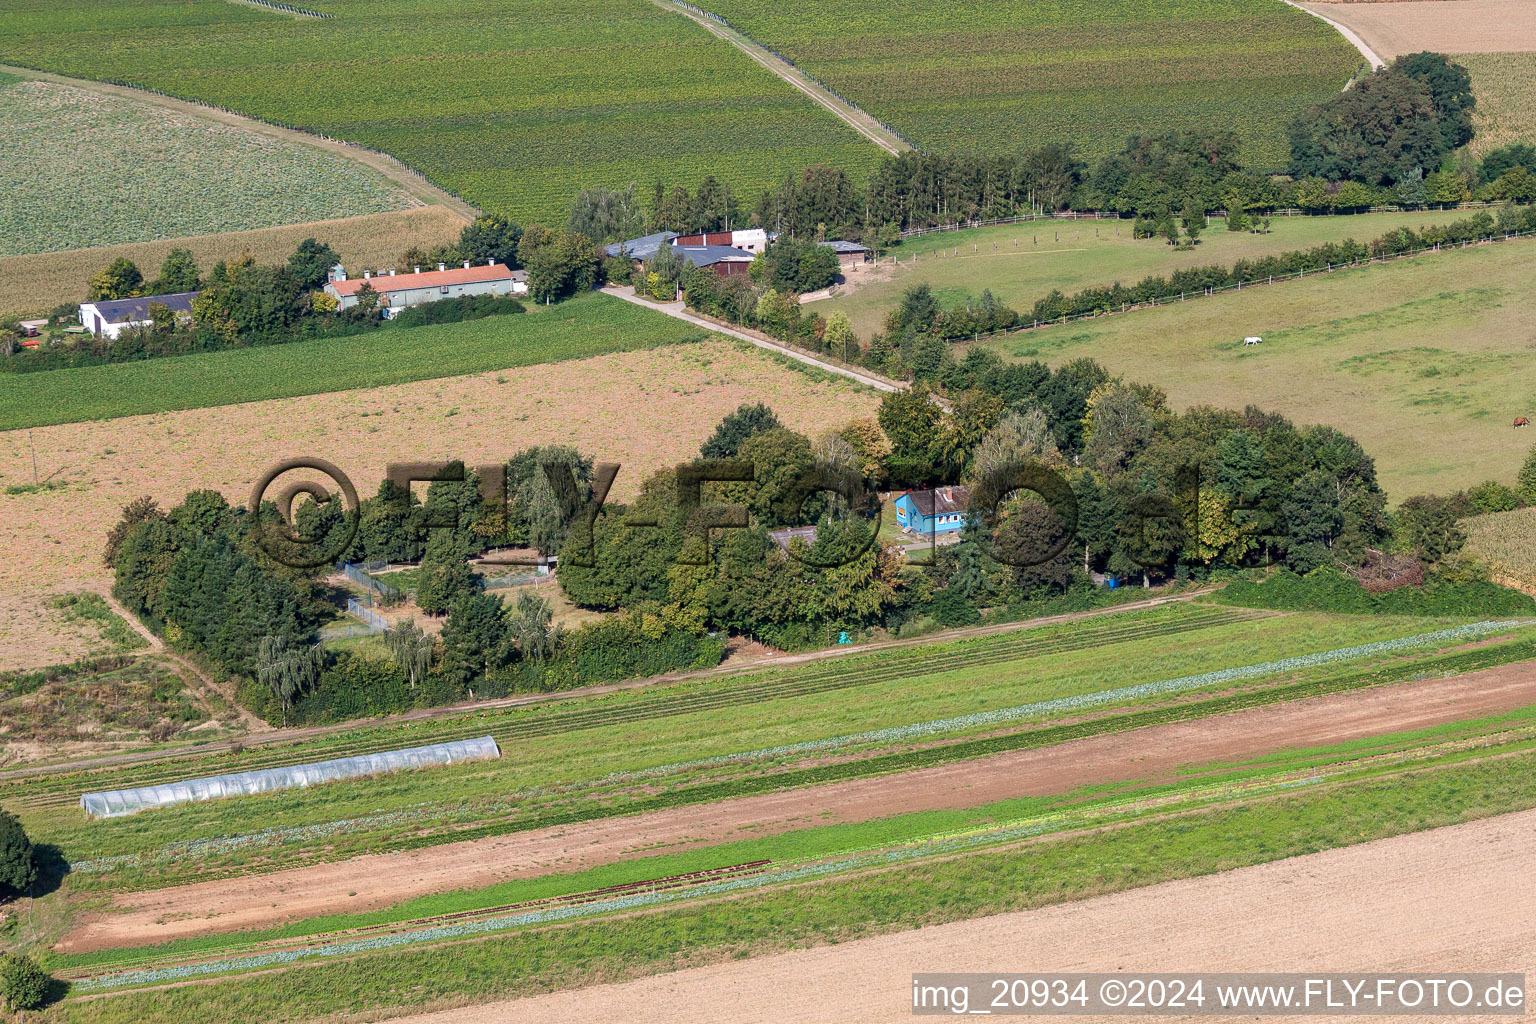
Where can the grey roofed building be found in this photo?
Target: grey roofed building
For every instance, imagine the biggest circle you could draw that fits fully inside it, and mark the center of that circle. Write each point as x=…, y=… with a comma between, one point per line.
x=641, y=248
x=117, y=311
x=709, y=255
x=840, y=246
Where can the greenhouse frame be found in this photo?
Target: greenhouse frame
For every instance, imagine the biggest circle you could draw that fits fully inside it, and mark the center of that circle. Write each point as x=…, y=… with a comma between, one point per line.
x=119, y=802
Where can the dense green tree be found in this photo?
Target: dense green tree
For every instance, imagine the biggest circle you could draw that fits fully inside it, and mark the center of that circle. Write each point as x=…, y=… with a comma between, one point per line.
x=1497, y=162
x=1377, y=132
x=1450, y=89
x=492, y=236
x=795, y=265
x=476, y=638
x=913, y=423
x=287, y=670
x=179, y=272
x=119, y=280
x=560, y=264
x=606, y=215
x=1428, y=525
x=23, y=984
x=1027, y=534
x=17, y=867
x=737, y=428
x=311, y=263
x=1525, y=483
x=411, y=648
x=445, y=575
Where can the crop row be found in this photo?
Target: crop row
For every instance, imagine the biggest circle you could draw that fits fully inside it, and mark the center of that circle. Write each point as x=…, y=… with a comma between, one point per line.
x=1090, y=74
x=609, y=93
x=736, y=691
x=513, y=812
x=731, y=880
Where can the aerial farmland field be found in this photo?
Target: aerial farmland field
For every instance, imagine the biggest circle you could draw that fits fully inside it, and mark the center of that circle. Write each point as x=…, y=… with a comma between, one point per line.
x=515, y=105
x=987, y=76
x=1416, y=358
x=126, y=171
x=959, y=821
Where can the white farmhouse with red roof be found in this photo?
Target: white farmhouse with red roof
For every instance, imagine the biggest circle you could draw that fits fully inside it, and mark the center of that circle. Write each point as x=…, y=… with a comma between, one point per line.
x=401, y=291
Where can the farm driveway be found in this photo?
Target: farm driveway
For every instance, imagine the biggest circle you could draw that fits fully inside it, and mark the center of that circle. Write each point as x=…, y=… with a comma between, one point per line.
x=1434, y=900
x=1151, y=754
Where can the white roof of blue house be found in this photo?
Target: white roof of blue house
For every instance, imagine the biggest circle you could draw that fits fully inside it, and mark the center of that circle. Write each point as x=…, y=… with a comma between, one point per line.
x=641, y=248
x=841, y=246
x=709, y=255
x=119, y=311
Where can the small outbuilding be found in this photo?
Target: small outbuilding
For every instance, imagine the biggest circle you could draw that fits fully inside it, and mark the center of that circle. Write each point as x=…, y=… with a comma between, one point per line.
x=108, y=318
x=849, y=254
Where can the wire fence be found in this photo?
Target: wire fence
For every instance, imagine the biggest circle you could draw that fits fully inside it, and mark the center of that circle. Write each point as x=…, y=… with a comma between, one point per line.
x=373, y=619
x=357, y=572
x=288, y=9
x=520, y=580
x=1169, y=299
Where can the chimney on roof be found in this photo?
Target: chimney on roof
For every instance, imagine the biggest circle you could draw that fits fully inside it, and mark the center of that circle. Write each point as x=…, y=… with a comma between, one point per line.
x=367, y=274
x=491, y=262
x=466, y=264
x=391, y=271
x=442, y=266
x=418, y=268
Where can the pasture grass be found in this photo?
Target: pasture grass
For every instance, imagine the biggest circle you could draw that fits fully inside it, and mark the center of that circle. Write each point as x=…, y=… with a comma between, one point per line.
x=590, y=325
x=1076, y=254
x=1424, y=361
x=967, y=76
x=515, y=105
x=1033, y=875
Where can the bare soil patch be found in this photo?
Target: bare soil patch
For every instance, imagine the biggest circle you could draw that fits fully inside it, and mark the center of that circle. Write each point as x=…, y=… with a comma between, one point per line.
x=643, y=410
x=1153, y=754
x=33, y=635
x=1465, y=26
x=1416, y=902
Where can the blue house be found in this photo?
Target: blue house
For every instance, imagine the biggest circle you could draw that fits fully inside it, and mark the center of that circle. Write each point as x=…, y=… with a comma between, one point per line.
x=938, y=511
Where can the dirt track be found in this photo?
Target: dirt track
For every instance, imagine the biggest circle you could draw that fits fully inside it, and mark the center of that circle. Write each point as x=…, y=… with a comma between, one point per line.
x=1445, y=899
x=374, y=881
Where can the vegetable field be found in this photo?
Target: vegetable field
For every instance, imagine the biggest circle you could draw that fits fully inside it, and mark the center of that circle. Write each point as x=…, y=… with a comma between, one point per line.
x=513, y=104
x=85, y=169
x=736, y=736
x=978, y=75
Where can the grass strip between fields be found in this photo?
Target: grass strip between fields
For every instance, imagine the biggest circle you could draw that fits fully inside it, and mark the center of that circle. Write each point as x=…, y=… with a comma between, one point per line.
x=132, y=870
x=591, y=325
x=889, y=839
x=909, y=896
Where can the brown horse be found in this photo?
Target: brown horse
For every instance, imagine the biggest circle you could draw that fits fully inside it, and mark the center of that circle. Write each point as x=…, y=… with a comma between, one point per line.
x=1521, y=421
